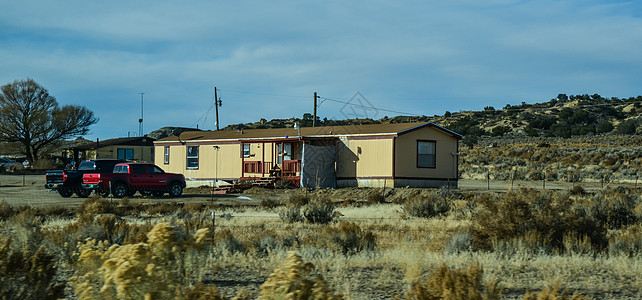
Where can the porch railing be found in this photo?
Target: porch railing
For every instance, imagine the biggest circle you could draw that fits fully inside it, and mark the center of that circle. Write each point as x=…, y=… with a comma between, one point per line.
x=291, y=167
x=252, y=167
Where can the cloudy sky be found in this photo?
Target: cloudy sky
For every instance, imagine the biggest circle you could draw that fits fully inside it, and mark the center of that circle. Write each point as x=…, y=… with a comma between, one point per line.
x=268, y=58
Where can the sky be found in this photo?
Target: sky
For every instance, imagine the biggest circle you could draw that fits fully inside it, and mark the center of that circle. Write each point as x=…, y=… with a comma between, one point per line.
x=267, y=58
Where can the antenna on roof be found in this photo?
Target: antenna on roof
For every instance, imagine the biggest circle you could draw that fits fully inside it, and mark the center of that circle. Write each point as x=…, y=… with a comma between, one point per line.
x=140, y=121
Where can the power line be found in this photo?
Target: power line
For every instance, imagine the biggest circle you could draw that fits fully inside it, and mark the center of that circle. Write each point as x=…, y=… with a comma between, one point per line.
x=367, y=107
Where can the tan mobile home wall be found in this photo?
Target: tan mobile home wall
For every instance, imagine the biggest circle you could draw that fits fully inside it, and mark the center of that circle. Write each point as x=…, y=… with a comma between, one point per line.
x=406, y=155
x=226, y=164
x=364, y=161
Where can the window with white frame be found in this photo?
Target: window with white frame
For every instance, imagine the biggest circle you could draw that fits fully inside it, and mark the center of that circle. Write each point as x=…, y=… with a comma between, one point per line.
x=426, y=154
x=166, y=155
x=192, y=157
x=246, y=150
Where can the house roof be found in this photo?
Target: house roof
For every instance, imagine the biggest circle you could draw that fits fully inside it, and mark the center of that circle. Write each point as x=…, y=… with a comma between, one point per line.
x=322, y=131
x=128, y=141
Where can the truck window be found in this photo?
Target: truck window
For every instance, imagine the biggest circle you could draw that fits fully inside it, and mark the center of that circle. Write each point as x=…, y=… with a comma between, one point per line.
x=138, y=169
x=87, y=165
x=121, y=169
x=156, y=170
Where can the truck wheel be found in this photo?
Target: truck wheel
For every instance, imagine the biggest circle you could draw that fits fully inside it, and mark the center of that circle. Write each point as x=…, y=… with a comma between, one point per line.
x=82, y=193
x=175, y=189
x=65, y=193
x=120, y=190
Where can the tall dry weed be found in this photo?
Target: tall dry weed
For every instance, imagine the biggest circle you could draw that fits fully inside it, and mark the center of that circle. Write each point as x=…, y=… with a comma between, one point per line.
x=27, y=274
x=153, y=270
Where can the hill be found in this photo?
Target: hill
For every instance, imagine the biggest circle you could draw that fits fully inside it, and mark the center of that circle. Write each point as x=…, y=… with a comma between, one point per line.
x=562, y=117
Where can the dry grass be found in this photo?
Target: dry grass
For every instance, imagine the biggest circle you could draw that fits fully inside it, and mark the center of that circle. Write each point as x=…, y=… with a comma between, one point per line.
x=373, y=251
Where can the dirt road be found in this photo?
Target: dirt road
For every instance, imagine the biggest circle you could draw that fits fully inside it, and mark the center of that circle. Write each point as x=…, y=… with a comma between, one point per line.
x=20, y=190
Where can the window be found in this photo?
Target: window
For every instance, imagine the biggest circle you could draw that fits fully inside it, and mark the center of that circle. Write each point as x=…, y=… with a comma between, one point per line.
x=192, y=157
x=155, y=170
x=139, y=169
x=127, y=154
x=166, y=155
x=121, y=169
x=426, y=154
x=246, y=150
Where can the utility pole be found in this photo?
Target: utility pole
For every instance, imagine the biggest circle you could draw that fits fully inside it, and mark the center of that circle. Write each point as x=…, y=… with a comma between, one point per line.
x=314, y=117
x=217, y=103
x=140, y=121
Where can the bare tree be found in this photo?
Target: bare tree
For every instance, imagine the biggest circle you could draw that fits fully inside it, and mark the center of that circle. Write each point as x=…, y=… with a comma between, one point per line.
x=32, y=117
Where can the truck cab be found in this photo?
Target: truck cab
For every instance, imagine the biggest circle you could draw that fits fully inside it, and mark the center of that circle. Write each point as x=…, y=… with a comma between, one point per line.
x=128, y=178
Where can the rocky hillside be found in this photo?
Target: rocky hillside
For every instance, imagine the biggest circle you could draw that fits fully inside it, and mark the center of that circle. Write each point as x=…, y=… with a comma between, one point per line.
x=561, y=117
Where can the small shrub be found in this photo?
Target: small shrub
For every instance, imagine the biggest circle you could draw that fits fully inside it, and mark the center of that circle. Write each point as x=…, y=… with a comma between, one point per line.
x=291, y=214
x=6, y=210
x=376, y=198
x=269, y=203
x=460, y=242
x=349, y=238
x=299, y=199
x=577, y=190
x=283, y=184
x=319, y=211
x=226, y=240
x=553, y=216
x=426, y=207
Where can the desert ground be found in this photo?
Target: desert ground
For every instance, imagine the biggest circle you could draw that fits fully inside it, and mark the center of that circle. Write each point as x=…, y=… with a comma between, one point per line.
x=370, y=250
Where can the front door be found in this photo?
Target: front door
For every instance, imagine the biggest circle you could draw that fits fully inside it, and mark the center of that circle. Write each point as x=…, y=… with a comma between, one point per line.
x=283, y=154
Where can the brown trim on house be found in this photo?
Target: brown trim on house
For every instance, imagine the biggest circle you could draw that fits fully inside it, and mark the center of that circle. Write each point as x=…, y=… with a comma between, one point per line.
x=370, y=137
x=433, y=125
x=257, y=141
x=366, y=177
x=197, y=143
x=210, y=143
x=394, y=155
x=388, y=177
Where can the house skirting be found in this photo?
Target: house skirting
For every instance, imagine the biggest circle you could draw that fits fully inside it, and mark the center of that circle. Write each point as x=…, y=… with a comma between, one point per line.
x=397, y=182
x=351, y=182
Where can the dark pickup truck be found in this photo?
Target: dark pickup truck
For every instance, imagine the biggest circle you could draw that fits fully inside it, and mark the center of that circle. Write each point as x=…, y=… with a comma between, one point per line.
x=128, y=178
x=67, y=182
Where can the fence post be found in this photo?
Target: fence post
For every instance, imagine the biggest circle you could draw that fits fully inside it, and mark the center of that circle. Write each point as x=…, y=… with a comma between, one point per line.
x=213, y=217
x=488, y=179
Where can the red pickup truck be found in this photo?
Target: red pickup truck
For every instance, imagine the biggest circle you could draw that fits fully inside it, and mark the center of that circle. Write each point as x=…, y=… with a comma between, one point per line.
x=128, y=178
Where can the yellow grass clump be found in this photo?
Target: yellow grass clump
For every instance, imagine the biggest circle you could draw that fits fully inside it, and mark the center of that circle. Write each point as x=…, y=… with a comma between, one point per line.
x=292, y=281
x=139, y=271
x=445, y=283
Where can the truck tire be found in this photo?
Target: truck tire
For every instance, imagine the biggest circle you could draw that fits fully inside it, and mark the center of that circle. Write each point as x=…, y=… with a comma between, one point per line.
x=65, y=193
x=120, y=190
x=175, y=189
x=82, y=193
